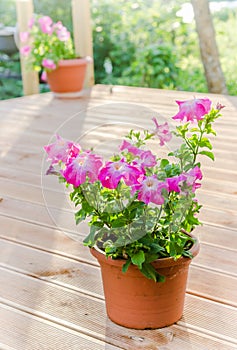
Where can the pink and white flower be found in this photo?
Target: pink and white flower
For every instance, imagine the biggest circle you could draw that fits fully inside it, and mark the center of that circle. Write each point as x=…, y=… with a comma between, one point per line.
x=194, y=109
x=184, y=181
x=44, y=76
x=192, y=176
x=63, y=34
x=146, y=160
x=150, y=190
x=113, y=172
x=174, y=183
x=162, y=131
x=25, y=50
x=59, y=150
x=24, y=36
x=45, y=23
x=84, y=165
x=130, y=148
x=31, y=22
x=48, y=64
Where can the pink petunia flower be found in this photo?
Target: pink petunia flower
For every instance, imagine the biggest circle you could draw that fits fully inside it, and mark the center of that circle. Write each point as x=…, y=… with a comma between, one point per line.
x=58, y=25
x=174, y=183
x=177, y=183
x=45, y=23
x=162, y=131
x=25, y=50
x=219, y=106
x=192, y=176
x=194, y=109
x=150, y=190
x=31, y=22
x=146, y=160
x=84, y=165
x=48, y=64
x=24, y=36
x=63, y=34
x=59, y=150
x=113, y=172
x=74, y=150
x=130, y=148
x=44, y=76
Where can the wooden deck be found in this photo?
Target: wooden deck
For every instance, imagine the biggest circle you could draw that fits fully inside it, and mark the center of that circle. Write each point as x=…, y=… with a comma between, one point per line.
x=51, y=295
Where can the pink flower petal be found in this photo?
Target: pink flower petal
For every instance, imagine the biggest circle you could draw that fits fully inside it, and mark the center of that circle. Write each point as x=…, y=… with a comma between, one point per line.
x=130, y=148
x=150, y=190
x=85, y=164
x=162, y=131
x=31, y=23
x=113, y=172
x=45, y=23
x=145, y=160
x=44, y=76
x=63, y=34
x=24, y=36
x=59, y=150
x=48, y=64
x=25, y=50
x=192, y=110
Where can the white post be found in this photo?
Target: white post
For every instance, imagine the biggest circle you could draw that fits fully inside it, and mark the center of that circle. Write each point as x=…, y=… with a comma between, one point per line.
x=30, y=79
x=83, y=34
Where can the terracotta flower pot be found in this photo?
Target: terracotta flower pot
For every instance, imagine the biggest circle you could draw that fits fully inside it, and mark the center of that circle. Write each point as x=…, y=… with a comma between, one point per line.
x=134, y=301
x=68, y=78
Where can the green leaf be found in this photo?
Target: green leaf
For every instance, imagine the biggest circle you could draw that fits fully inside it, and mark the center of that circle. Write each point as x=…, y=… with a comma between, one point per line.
x=80, y=216
x=86, y=207
x=208, y=154
x=164, y=163
x=138, y=258
x=90, y=238
x=119, y=222
x=126, y=266
x=150, y=272
x=205, y=143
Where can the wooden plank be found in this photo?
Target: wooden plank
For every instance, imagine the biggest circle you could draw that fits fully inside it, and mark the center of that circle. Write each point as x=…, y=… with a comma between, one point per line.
x=212, y=285
x=217, y=236
x=76, y=311
x=74, y=266
x=21, y=330
x=15, y=323
x=65, y=271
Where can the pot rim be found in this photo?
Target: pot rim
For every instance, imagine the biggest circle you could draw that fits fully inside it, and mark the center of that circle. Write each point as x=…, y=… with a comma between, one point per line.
x=162, y=262
x=74, y=61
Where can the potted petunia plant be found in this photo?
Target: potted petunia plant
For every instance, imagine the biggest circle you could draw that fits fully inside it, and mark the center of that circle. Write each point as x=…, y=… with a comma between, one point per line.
x=141, y=209
x=48, y=48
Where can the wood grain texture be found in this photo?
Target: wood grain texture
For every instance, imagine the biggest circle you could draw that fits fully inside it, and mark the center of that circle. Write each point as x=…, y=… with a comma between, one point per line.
x=50, y=284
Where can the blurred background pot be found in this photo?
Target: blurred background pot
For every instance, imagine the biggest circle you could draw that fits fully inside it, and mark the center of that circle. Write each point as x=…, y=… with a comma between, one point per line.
x=68, y=78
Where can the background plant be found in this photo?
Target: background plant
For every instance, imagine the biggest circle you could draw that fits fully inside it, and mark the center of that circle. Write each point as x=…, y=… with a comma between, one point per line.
x=46, y=43
x=127, y=35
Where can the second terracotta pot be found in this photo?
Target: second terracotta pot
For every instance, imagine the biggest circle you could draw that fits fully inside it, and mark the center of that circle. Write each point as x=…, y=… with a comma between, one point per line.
x=68, y=77
x=134, y=301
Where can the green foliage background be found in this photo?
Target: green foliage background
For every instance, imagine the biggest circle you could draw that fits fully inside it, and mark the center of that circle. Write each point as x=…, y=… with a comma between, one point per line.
x=144, y=42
